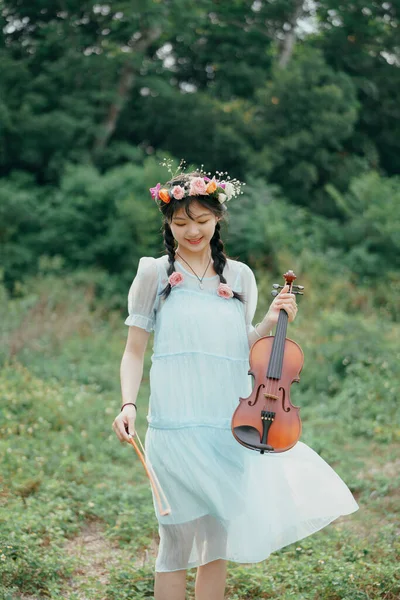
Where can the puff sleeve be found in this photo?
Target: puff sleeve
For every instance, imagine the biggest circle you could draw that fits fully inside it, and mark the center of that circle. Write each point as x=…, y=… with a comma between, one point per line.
x=142, y=296
x=250, y=291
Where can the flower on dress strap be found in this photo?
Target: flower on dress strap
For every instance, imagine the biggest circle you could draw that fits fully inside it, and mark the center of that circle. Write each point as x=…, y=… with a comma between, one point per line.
x=224, y=291
x=175, y=278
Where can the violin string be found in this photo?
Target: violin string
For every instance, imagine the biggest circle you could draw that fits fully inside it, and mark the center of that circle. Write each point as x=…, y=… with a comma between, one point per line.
x=268, y=385
x=282, y=340
x=277, y=355
x=271, y=382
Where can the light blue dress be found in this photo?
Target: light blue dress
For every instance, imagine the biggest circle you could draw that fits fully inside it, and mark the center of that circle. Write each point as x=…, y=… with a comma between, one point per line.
x=226, y=501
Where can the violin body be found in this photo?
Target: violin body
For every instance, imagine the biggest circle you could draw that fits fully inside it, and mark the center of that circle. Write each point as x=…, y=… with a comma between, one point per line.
x=267, y=421
x=282, y=424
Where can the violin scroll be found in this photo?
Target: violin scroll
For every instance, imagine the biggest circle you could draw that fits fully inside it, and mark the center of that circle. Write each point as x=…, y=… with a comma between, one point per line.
x=289, y=277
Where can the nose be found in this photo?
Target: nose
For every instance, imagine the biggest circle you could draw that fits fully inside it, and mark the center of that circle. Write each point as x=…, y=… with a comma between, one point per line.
x=193, y=232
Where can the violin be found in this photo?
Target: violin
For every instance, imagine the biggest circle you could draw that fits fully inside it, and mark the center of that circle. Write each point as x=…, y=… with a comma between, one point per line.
x=267, y=421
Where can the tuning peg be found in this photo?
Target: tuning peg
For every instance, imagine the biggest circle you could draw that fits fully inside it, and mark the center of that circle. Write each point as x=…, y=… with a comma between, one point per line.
x=298, y=287
x=275, y=293
x=276, y=287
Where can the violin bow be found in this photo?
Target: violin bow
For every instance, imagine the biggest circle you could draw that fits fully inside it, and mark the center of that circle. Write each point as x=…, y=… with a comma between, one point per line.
x=155, y=484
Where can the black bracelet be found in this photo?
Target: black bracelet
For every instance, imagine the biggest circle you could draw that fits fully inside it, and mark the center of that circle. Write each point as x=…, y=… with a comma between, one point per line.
x=126, y=403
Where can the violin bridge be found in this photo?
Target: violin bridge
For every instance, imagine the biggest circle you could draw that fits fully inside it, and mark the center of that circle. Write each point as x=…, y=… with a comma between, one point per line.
x=271, y=396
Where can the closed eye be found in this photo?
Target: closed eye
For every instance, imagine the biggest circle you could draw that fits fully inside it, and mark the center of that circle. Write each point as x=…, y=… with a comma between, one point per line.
x=200, y=222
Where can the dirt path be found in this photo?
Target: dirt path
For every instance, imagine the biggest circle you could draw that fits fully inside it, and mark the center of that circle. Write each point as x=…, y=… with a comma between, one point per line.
x=96, y=556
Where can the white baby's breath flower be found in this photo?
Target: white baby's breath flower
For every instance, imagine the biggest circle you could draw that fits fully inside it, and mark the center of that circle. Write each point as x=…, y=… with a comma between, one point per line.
x=222, y=198
x=229, y=190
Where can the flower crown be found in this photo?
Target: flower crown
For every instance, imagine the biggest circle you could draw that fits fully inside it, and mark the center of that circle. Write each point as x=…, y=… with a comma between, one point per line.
x=220, y=187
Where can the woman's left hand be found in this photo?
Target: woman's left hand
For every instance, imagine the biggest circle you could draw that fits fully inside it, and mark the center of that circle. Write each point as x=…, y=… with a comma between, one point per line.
x=282, y=300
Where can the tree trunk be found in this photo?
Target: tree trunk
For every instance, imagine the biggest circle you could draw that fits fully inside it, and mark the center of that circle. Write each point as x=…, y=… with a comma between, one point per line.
x=125, y=85
x=290, y=37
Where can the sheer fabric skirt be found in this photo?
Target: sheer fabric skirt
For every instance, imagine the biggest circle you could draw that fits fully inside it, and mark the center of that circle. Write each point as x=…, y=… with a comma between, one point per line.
x=233, y=503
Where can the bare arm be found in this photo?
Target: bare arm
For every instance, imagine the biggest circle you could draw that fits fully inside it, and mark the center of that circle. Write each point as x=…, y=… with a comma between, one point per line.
x=263, y=328
x=282, y=300
x=131, y=373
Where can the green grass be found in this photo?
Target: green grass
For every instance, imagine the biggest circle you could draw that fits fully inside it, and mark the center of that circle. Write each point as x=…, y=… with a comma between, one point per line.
x=64, y=473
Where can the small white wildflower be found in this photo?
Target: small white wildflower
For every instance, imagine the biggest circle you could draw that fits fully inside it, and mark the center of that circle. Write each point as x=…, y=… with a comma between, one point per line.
x=229, y=190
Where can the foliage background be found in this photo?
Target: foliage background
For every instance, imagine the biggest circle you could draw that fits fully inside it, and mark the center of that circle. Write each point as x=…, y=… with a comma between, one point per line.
x=299, y=99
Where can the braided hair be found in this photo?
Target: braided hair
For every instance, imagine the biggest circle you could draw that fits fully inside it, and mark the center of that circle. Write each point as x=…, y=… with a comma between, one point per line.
x=218, y=254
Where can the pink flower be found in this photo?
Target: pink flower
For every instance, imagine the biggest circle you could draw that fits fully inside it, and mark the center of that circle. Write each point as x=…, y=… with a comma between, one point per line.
x=154, y=190
x=224, y=291
x=197, y=187
x=178, y=192
x=175, y=278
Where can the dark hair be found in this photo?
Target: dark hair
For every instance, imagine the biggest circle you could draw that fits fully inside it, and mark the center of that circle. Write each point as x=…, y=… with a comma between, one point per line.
x=218, y=254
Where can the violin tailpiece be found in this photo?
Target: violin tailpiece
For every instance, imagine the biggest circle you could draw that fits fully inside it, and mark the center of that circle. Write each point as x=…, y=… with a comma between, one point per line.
x=267, y=418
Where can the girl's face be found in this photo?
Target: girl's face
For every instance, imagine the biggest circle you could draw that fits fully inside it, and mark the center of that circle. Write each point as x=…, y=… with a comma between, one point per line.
x=200, y=227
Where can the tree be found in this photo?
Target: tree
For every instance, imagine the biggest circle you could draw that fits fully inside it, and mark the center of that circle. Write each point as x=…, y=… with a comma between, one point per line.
x=362, y=38
x=303, y=116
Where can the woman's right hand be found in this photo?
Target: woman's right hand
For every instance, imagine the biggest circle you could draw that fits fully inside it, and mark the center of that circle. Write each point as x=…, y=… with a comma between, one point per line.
x=124, y=423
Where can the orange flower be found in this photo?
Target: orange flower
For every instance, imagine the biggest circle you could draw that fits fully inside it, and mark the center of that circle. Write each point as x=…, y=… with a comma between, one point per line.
x=212, y=186
x=164, y=196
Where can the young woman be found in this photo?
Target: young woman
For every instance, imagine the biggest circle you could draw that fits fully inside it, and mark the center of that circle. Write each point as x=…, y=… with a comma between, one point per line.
x=227, y=502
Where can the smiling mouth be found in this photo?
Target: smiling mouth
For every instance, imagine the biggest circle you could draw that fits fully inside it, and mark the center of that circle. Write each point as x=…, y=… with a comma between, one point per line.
x=193, y=241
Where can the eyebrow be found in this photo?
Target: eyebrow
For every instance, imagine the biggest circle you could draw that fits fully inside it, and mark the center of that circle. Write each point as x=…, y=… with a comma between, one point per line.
x=203, y=215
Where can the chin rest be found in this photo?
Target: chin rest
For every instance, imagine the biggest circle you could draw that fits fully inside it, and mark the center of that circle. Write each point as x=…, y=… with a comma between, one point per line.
x=250, y=437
